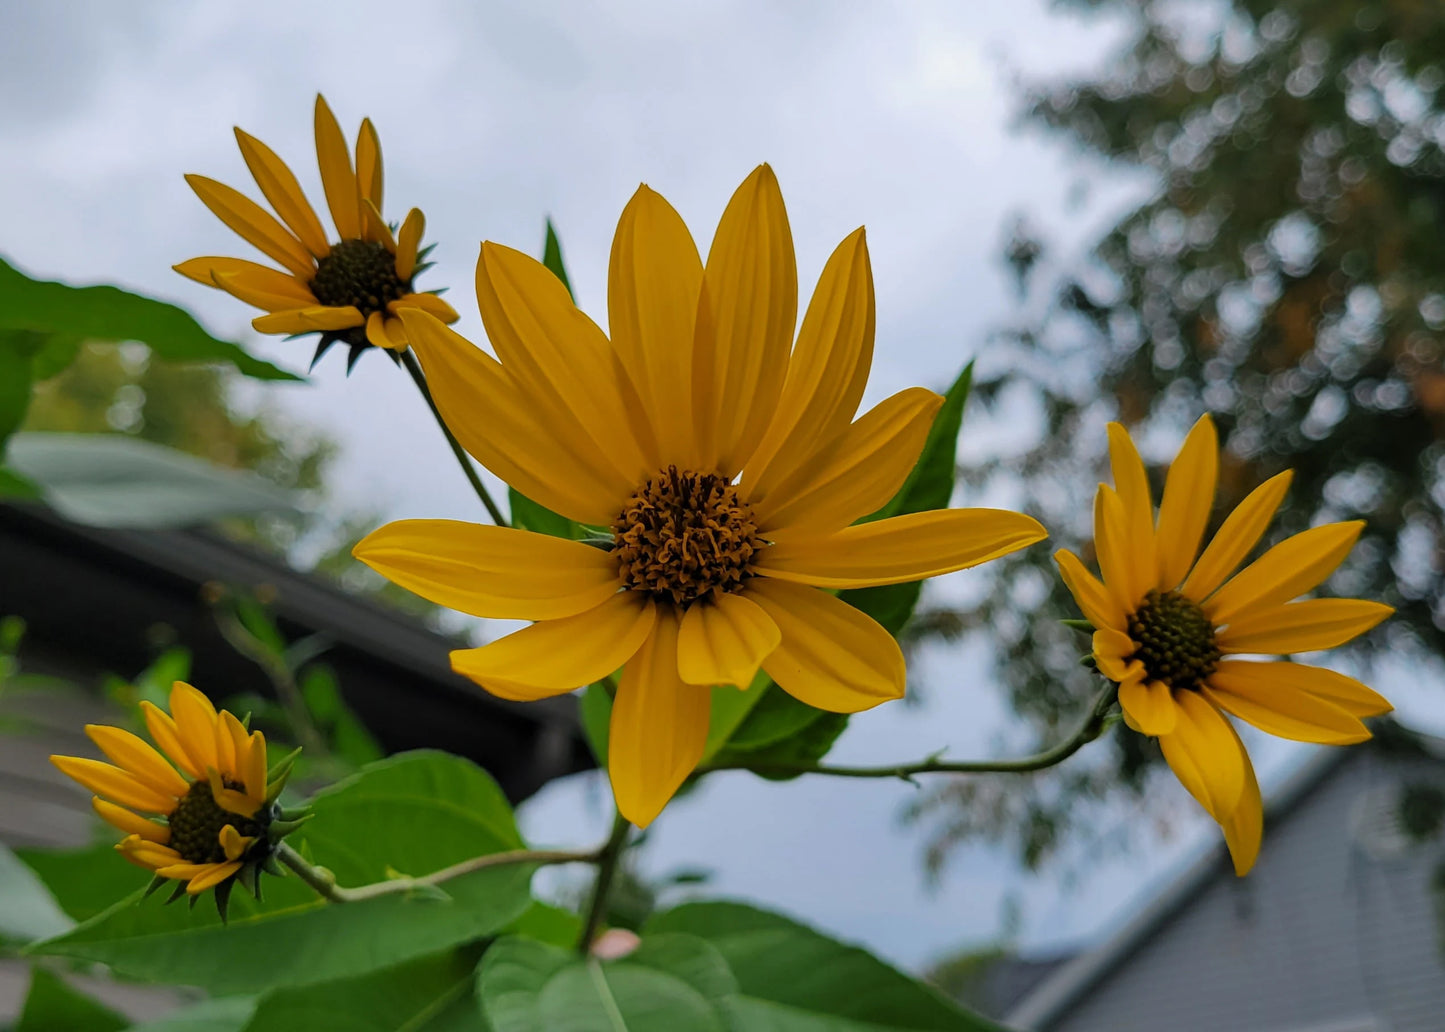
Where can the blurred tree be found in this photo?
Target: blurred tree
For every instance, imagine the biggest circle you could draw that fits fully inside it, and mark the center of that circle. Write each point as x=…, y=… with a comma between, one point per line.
x=1286, y=273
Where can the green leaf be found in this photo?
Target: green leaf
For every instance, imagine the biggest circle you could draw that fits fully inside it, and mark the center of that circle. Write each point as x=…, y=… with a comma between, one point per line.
x=13, y=485
x=413, y=813
x=222, y=1014
x=111, y=480
x=552, y=258
x=53, y=1004
x=16, y=351
x=84, y=881
x=29, y=910
x=548, y=924
x=731, y=709
x=793, y=979
x=595, y=707
x=111, y=314
x=929, y=486
x=425, y=995
x=528, y=515
x=670, y=983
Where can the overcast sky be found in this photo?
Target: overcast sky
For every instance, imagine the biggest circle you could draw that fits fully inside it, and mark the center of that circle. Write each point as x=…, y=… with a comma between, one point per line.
x=495, y=115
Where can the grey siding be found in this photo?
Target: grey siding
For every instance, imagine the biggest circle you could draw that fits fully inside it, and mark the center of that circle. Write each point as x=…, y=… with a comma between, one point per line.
x=1324, y=935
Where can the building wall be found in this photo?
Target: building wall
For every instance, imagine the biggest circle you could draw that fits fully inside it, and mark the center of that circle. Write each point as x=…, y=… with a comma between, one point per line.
x=1334, y=931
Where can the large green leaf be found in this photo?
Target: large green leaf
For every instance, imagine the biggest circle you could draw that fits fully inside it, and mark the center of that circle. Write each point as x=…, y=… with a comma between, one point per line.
x=223, y=1014
x=53, y=1005
x=431, y=994
x=111, y=314
x=671, y=983
x=28, y=910
x=793, y=979
x=412, y=814
x=84, y=881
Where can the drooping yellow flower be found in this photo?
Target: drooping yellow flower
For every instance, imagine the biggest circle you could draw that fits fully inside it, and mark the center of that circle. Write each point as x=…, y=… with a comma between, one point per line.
x=1166, y=623
x=210, y=812
x=349, y=291
x=721, y=465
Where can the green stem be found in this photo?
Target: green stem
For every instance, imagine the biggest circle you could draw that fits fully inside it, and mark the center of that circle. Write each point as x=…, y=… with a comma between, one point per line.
x=419, y=378
x=324, y=883
x=298, y=715
x=1089, y=729
x=607, y=859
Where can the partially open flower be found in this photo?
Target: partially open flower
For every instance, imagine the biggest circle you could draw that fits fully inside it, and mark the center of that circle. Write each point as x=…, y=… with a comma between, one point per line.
x=1167, y=618
x=349, y=291
x=204, y=813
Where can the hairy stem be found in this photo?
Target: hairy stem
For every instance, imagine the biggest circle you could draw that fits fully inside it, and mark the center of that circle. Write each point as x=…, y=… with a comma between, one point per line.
x=419, y=378
x=607, y=859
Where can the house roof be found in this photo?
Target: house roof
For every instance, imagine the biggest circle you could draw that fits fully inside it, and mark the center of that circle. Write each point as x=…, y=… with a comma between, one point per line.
x=1053, y=997
x=94, y=599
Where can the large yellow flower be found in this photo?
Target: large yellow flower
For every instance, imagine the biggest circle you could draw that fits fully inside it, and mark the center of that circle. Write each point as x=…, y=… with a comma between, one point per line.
x=1164, y=624
x=349, y=291
x=210, y=795
x=721, y=465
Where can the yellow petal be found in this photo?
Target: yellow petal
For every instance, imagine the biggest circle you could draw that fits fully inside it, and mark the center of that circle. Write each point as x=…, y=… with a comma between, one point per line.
x=654, y=277
x=1237, y=537
x=115, y=784
x=368, y=164
x=255, y=772
x=900, y=549
x=658, y=729
x=133, y=754
x=1248, y=691
x=1116, y=669
x=826, y=373
x=252, y=275
x=150, y=855
x=130, y=823
x=229, y=799
x=408, y=241
x=374, y=228
x=225, y=749
x=240, y=752
x=244, y=289
x=1188, y=499
x=195, y=719
x=254, y=225
x=1099, y=607
x=831, y=656
x=1150, y=706
x=857, y=474
x=164, y=733
x=1320, y=623
x=1206, y=755
x=558, y=356
x=318, y=319
x=429, y=303
x=752, y=288
x=337, y=177
x=1330, y=685
x=1131, y=483
x=557, y=656
x=204, y=880
x=495, y=572
x=233, y=842
x=499, y=424
x=1128, y=573
x=1244, y=830
x=724, y=640
x=376, y=330
x=285, y=194
x=1289, y=569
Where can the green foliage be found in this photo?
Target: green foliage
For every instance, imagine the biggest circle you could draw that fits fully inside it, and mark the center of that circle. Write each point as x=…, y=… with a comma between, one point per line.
x=595, y=707
x=222, y=1014
x=84, y=882
x=671, y=982
x=792, y=979
x=414, y=813
x=552, y=258
x=30, y=911
x=53, y=1004
x=528, y=515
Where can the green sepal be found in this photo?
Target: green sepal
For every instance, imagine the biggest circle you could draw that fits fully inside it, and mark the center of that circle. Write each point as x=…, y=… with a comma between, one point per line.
x=194, y=897
x=249, y=878
x=1088, y=662
x=1079, y=625
x=273, y=867
x=155, y=884
x=223, y=897
x=280, y=829
x=177, y=892
x=426, y=250
x=279, y=774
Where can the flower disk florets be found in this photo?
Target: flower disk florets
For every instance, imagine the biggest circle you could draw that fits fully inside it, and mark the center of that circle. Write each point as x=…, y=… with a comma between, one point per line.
x=1176, y=640
x=360, y=273
x=683, y=535
x=197, y=821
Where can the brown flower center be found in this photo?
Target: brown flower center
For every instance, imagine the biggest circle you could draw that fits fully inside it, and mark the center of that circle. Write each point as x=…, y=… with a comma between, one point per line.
x=197, y=821
x=361, y=273
x=1176, y=640
x=683, y=535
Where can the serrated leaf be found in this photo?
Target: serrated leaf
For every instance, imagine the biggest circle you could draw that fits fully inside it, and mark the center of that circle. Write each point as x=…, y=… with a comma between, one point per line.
x=416, y=813
x=105, y=313
x=792, y=978
x=53, y=1004
x=670, y=983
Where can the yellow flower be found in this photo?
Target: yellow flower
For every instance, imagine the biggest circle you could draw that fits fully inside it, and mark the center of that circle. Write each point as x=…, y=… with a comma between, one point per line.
x=210, y=795
x=720, y=465
x=349, y=291
x=1165, y=623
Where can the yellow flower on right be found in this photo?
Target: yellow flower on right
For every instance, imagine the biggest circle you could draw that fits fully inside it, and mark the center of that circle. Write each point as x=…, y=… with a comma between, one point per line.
x=1168, y=621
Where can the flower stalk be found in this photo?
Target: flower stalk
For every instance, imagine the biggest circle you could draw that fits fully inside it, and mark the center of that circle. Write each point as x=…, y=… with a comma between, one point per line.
x=608, y=858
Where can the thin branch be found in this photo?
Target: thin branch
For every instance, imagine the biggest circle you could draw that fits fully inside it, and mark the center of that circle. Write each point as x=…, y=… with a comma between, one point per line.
x=324, y=883
x=607, y=859
x=280, y=676
x=1089, y=729
x=419, y=378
